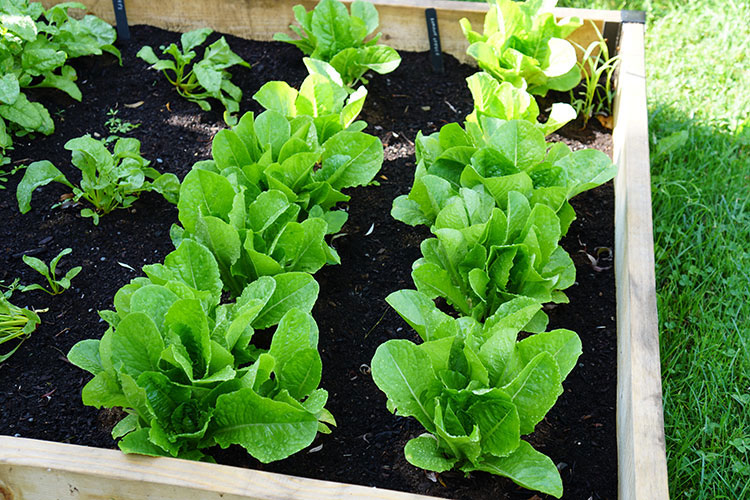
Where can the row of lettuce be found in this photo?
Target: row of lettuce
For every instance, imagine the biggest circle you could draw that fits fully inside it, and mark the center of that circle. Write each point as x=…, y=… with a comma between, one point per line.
x=253, y=222
x=495, y=195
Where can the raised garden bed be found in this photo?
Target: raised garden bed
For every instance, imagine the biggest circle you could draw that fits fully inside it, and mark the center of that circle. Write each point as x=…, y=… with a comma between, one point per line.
x=38, y=469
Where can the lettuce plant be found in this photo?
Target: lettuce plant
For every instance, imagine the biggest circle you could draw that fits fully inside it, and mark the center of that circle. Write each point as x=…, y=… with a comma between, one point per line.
x=264, y=204
x=56, y=286
x=179, y=359
x=207, y=78
x=329, y=33
x=35, y=45
x=483, y=256
x=108, y=180
x=496, y=102
x=522, y=42
x=184, y=368
x=495, y=195
x=503, y=156
x=475, y=388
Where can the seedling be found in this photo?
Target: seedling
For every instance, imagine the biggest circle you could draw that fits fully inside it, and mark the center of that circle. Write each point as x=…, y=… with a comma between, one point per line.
x=204, y=79
x=117, y=126
x=596, y=96
x=56, y=286
x=5, y=174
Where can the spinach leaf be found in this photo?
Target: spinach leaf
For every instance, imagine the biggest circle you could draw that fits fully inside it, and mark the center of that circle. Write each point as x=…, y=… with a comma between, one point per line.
x=35, y=46
x=204, y=79
x=108, y=180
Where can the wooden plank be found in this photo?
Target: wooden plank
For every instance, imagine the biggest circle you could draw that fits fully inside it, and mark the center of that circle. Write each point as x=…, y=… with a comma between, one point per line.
x=402, y=21
x=642, y=466
x=41, y=470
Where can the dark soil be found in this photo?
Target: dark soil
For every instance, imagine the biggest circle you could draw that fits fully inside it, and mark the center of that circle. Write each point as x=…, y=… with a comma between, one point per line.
x=40, y=390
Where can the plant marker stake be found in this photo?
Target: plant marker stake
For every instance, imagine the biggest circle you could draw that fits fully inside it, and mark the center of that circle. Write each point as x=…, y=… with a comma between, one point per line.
x=436, y=54
x=123, y=32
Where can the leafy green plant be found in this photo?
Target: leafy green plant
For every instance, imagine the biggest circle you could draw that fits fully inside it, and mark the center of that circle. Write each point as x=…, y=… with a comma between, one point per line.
x=597, y=68
x=522, y=42
x=505, y=156
x=35, y=45
x=496, y=102
x=495, y=195
x=264, y=204
x=182, y=362
x=207, y=78
x=329, y=33
x=108, y=180
x=117, y=126
x=475, y=388
x=56, y=286
x=16, y=323
x=484, y=256
x=184, y=368
x=5, y=174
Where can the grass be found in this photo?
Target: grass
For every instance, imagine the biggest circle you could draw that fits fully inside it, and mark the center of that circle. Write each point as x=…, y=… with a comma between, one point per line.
x=698, y=61
x=698, y=64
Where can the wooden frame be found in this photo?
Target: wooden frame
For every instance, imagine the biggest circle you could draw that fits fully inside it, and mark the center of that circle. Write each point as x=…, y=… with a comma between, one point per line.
x=32, y=469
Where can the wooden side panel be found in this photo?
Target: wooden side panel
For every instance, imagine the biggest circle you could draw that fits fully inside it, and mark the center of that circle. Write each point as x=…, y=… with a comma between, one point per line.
x=41, y=470
x=402, y=22
x=640, y=423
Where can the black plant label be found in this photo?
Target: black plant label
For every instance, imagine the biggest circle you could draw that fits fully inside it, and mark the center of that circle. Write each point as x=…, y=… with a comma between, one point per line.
x=123, y=32
x=436, y=54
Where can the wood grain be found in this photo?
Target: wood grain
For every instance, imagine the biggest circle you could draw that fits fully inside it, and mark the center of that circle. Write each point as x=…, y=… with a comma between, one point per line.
x=401, y=22
x=41, y=470
x=642, y=467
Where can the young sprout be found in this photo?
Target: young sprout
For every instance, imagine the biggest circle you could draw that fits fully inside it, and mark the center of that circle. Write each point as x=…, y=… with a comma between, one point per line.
x=55, y=286
x=596, y=96
x=117, y=126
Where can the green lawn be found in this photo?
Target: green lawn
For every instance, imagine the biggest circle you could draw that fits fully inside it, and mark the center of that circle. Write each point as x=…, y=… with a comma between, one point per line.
x=698, y=59
x=698, y=62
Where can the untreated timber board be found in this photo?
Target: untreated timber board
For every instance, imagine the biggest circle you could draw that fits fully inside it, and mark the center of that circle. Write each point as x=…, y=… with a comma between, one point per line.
x=402, y=22
x=40, y=470
x=642, y=467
